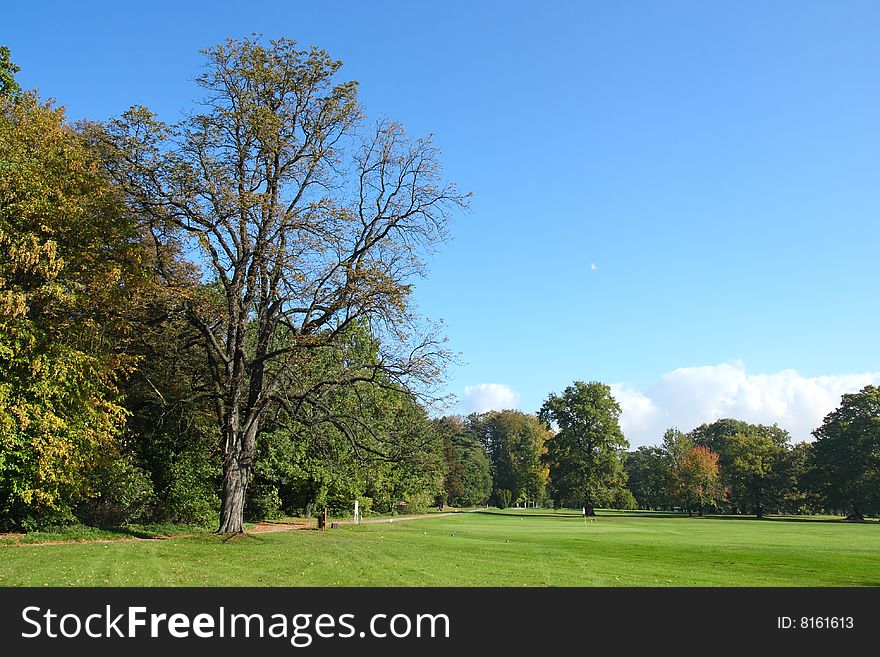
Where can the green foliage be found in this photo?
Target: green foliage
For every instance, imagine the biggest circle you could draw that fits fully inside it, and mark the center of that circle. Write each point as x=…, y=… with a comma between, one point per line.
x=468, y=475
x=515, y=443
x=846, y=454
x=124, y=495
x=189, y=495
x=263, y=503
x=798, y=491
x=8, y=86
x=624, y=499
x=586, y=455
x=368, y=441
x=502, y=498
x=648, y=478
x=752, y=460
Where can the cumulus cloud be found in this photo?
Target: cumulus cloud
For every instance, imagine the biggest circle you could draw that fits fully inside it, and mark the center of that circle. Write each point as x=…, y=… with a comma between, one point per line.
x=489, y=397
x=690, y=396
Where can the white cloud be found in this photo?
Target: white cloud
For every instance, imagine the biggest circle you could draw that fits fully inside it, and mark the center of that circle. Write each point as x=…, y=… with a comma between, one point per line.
x=594, y=266
x=690, y=396
x=489, y=397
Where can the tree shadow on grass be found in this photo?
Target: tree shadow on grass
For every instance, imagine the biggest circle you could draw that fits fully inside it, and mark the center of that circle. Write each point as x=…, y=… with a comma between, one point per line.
x=723, y=516
x=609, y=513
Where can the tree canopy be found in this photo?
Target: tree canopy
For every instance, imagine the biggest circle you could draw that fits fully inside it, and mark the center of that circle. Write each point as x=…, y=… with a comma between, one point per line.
x=586, y=455
x=847, y=454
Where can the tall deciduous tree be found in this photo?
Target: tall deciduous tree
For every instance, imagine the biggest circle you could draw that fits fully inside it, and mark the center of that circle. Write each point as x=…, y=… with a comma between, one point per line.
x=846, y=454
x=586, y=455
x=306, y=221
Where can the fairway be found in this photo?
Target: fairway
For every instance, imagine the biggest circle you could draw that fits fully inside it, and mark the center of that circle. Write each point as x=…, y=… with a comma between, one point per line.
x=512, y=548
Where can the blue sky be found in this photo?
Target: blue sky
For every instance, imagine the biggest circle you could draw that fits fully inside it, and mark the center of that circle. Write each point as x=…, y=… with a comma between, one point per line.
x=678, y=198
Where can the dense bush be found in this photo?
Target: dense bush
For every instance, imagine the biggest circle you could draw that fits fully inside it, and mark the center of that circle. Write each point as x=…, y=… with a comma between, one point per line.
x=124, y=494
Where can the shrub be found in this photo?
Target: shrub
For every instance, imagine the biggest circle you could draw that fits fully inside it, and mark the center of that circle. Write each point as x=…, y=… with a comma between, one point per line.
x=191, y=496
x=124, y=495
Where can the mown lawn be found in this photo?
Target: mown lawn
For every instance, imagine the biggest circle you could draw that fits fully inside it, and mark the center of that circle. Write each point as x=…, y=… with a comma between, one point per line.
x=513, y=548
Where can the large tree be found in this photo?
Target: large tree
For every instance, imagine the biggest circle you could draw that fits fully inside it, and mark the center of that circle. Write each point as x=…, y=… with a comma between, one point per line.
x=846, y=454
x=587, y=453
x=305, y=220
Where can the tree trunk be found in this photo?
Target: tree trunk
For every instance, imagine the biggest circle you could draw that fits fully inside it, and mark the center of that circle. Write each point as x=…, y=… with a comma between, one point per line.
x=237, y=471
x=236, y=476
x=759, y=511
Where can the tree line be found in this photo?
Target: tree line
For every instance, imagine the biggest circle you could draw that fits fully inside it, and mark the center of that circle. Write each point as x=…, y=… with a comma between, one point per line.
x=572, y=453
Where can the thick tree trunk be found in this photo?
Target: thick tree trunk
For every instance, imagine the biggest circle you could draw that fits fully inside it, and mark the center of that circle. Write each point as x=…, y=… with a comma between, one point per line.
x=236, y=477
x=237, y=471
x=759, y=511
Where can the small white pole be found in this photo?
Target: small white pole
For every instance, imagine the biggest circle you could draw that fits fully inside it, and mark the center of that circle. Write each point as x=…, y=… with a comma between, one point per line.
x=357, y=513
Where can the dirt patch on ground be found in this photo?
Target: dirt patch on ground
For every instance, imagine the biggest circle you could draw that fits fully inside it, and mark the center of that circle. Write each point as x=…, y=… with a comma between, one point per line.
x=282, y=526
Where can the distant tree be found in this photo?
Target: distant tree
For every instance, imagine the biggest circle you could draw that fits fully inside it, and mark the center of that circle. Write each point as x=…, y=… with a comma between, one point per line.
x=798, y=494
x=586, y=455
x=468, y=472
x=515, y=443
x=306, y=222
x=847, y=454
x=502, y=498
x=755, y=471
x=696, y=479
x=751, y=458
x=648, y=477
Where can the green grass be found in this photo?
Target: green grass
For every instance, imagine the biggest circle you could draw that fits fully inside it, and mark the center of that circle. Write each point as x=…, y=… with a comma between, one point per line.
x=514, y=548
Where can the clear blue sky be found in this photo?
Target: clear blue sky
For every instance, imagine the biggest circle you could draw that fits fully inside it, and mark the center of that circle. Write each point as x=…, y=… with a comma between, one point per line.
x=657, y=185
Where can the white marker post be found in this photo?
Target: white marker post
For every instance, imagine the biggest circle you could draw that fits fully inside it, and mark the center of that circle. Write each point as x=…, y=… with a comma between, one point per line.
x=357, y=513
